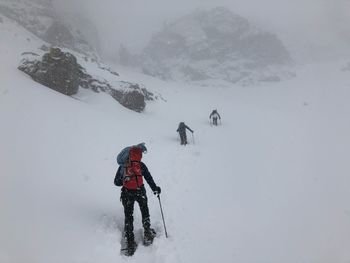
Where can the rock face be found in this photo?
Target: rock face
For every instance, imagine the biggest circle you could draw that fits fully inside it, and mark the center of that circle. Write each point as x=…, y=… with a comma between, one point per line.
x=57, y=70
x=215, y=44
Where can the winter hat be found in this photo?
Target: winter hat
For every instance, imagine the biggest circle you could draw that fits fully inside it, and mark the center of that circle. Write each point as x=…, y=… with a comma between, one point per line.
x=142, y=146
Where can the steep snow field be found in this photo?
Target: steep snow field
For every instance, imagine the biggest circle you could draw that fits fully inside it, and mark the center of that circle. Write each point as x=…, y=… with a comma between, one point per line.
x=271, y=184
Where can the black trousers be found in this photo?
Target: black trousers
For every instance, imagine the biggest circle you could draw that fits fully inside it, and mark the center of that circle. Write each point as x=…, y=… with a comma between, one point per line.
x=215, y=121
x=183, y=137
x=128, y=198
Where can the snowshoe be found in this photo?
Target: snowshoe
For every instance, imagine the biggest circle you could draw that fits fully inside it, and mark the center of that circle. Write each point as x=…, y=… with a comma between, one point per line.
x=148, y=236
x=128, y=246
x=130, y=249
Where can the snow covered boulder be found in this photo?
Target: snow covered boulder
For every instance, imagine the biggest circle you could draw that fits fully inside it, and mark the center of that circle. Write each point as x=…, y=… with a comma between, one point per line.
x=57, y=70
x=134, y=100
x=132, y=97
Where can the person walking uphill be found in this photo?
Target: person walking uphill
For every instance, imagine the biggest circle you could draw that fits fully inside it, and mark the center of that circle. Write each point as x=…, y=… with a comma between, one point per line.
x=130, y=176
x=182, y=132
x=214, y=115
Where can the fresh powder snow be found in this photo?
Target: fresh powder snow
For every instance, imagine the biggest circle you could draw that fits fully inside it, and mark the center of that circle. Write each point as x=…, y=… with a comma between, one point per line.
x=269, y=184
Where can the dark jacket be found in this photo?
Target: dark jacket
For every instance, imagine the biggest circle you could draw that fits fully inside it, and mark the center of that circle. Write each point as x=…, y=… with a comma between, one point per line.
x=182, y=128
x=118, y=181
x=215, y=114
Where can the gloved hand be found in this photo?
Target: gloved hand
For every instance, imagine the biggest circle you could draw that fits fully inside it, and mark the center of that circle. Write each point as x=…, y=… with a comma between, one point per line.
x=157, y=190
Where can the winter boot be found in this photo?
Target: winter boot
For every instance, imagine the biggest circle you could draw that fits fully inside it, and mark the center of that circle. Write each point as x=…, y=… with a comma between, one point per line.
x=131, y=245
x=148, y=236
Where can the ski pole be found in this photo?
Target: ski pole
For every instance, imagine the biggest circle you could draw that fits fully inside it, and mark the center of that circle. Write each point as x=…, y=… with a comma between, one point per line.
x=161, y=210
x=193, y=138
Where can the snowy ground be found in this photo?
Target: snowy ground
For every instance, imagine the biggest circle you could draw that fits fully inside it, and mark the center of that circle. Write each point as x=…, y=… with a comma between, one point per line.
x=271, y=184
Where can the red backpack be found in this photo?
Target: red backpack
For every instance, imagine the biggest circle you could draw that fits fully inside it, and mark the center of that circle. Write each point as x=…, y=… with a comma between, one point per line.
x=133, y=175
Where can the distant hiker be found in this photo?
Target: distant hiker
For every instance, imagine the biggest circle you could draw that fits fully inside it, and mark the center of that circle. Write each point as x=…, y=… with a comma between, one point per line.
x=182, y=132
x=130, y=176
x=214, y=115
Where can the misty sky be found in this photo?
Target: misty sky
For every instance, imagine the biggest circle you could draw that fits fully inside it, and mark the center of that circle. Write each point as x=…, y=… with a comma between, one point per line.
x=320, y=26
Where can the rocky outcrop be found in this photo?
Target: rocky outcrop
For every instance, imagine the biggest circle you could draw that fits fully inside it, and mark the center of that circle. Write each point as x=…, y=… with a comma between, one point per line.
x=57, y=70
x=132, y=98
x=214, y=45
x=60, y=71
x=128, y=94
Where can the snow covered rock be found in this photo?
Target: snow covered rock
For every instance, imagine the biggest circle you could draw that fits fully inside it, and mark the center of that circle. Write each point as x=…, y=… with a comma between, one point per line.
x=60, y=71
x=57, y=70
x=128, y=94
x=132, y=98
x=215, y=44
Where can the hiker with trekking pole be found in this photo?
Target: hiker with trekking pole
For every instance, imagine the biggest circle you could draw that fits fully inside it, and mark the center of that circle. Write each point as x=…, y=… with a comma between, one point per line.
x=182, y=132
x=130, y=176
x=214, y=116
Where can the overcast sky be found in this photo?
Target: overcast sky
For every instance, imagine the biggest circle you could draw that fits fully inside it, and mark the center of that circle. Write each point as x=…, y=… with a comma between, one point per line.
x=305, y=26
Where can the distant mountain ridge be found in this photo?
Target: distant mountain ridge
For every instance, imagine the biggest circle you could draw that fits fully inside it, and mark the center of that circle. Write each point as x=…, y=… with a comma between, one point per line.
x=215, y=45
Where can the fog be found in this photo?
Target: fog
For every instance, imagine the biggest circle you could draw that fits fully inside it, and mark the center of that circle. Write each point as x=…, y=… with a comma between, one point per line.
x=312, y=29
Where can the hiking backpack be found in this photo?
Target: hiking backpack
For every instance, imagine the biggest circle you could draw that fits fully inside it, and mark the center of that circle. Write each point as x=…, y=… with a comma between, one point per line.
x=129, y=160
x=132, y=178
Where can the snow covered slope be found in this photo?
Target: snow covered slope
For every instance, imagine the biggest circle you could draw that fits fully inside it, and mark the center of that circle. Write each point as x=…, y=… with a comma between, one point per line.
x=271, y=184
x=43, y=19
